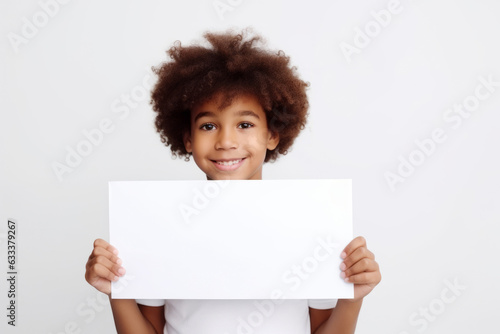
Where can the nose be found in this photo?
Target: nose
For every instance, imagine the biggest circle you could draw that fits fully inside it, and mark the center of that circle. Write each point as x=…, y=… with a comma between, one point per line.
x=226, y=139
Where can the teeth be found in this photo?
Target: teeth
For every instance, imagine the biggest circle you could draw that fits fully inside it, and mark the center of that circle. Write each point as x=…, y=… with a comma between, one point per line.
x=228, y=163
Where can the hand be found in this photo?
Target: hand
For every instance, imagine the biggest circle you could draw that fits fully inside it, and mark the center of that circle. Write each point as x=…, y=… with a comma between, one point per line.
x=103, y=266
x=359, y=267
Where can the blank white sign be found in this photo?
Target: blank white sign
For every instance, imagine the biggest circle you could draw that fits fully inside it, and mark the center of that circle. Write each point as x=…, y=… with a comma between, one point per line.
x=233, y=239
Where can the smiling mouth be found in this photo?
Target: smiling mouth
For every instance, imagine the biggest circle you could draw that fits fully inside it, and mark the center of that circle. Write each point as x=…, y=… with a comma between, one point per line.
x=228, y=162
x=228, y=165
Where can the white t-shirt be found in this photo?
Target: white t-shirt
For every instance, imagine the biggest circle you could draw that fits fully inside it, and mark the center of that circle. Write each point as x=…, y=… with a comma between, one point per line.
x=268, y=316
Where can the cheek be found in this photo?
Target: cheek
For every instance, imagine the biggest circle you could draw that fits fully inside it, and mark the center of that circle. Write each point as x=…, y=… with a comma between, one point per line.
x=256, y=144
x=260, y=139
x=200, y=145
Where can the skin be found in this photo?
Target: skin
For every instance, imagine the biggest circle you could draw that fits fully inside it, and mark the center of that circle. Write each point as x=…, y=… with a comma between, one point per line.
x=224, y=134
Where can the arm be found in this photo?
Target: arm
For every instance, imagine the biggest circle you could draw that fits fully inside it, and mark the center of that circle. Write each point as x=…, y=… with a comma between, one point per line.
x=341, y=319
x=359, y=267
x=104, y=266
x=131, y=317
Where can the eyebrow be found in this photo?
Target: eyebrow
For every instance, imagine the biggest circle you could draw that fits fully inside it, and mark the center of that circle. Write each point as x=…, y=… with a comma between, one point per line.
x=238, y=113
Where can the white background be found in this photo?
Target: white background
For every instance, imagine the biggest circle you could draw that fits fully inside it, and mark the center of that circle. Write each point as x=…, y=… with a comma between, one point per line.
x=440, y=224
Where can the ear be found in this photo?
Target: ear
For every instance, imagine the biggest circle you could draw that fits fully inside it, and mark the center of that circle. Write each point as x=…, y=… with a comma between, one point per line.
x=273, y=140
x=187, y=141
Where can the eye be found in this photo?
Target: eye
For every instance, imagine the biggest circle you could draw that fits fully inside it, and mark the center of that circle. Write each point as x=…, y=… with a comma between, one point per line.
x=247, y=125
x=203, y=126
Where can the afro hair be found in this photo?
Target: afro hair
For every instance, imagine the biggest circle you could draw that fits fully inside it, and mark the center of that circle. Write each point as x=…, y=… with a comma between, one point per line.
x=232, y=64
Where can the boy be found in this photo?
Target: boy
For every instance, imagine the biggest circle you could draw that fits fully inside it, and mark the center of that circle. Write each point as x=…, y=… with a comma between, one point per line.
x=232, y=107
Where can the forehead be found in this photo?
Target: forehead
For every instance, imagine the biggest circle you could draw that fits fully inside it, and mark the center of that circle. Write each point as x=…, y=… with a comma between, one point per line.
x=239, y=105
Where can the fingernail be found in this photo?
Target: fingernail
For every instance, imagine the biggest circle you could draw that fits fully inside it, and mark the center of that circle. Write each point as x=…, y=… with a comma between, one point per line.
x=115, y=278
x=343, y=255
x=115, y=251
x=342, y=266
x=121, y=271
x=346, y=279
x=342, y=274
x=119, y=261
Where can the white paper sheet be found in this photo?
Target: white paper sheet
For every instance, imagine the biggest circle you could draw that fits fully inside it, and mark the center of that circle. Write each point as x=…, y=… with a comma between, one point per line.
x=237, y=239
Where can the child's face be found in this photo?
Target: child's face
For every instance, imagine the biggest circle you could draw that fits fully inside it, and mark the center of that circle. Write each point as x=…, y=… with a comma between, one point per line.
x=238, y=132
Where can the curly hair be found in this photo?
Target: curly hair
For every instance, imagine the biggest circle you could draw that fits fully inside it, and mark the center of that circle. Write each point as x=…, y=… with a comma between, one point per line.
x=233, y=64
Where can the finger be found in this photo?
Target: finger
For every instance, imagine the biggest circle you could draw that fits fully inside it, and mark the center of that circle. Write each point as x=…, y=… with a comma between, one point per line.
x=104, y=244
x=96, y=266
x=100, y=243
x=98, y=271
x=353, y=245
x=372, y=277
x=99, y=251
x=356, y=256
x=115, y=268
x=363, y=265
x=100, y=255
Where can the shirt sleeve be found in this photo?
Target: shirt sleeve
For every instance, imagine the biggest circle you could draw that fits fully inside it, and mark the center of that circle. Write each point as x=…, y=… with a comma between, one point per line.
x=151, y=302
x=322, y=304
